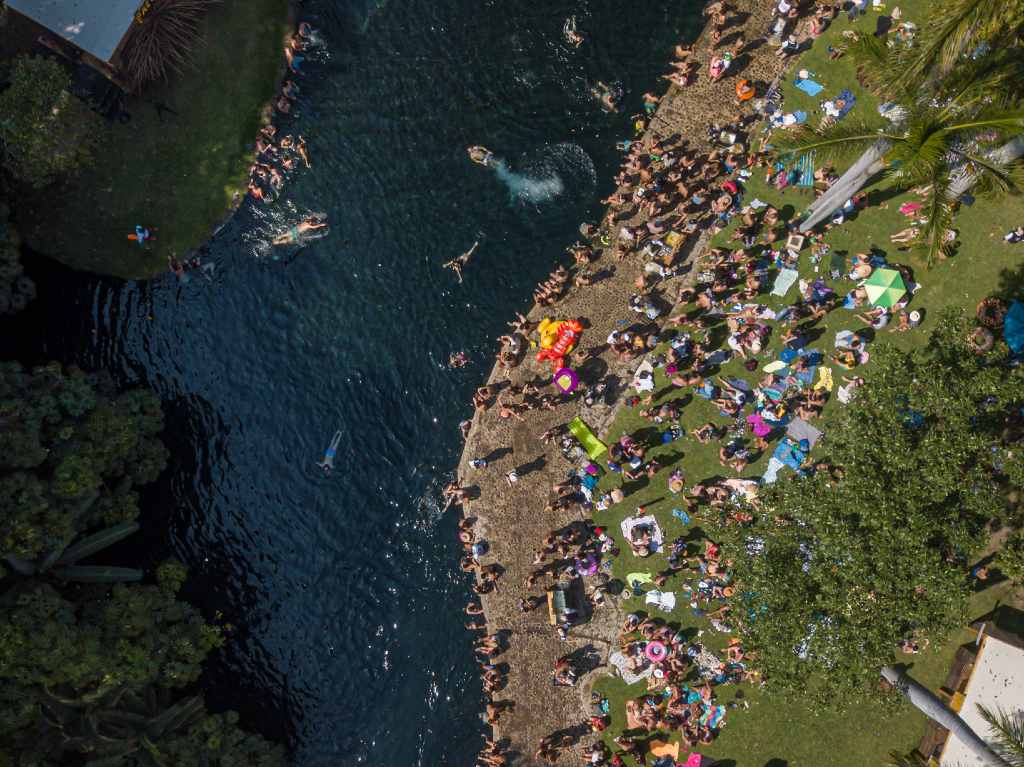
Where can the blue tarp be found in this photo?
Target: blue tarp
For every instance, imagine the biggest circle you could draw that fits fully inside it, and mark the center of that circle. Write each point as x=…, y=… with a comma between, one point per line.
x=1013, y=327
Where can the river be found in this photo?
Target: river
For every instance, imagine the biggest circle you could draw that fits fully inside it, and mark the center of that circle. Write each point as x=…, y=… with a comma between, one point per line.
x=344, y=589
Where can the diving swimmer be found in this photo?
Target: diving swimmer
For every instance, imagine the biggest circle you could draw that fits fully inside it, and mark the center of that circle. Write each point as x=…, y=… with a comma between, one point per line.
x=481, y=155
x=295, y=234
x=571, y=34
x=328, y=462
x=456, y=264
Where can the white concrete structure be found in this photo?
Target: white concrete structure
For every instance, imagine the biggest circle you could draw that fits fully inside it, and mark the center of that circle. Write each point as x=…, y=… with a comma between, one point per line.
x=997, y=683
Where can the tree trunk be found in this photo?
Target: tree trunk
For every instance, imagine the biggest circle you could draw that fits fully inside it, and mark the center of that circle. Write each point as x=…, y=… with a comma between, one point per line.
x=931, y=706
x=1008, y=152
x=871, y=162
x=851, y=182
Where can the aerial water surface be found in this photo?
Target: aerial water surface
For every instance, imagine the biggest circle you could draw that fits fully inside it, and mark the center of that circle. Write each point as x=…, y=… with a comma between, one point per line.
x=343, y=589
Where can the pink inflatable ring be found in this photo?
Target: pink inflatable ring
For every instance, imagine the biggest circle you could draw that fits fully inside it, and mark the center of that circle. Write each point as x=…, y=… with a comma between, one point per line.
x=656, y=652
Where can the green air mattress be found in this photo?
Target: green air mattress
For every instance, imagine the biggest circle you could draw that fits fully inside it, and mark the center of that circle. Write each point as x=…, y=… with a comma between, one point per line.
x=591, y=444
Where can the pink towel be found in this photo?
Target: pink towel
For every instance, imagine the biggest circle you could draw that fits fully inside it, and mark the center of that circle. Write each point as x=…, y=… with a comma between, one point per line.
x=758, y=426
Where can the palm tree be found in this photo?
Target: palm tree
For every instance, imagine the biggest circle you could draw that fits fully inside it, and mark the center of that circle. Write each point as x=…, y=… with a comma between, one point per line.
x=931, y=148
x=952, y=29
x=972, y=89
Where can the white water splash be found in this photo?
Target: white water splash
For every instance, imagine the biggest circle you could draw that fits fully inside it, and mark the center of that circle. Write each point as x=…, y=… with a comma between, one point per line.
x=544, y=176
x=527, y=188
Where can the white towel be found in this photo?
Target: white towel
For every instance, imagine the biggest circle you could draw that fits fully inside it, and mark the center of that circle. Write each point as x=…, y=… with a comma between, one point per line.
x=656, y=535
x=663, y=600
x=784, y=281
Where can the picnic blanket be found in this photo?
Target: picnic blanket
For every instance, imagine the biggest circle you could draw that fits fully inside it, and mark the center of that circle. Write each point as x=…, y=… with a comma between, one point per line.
x=663, y=600
x=788, y=455
x=643, y=379
x=708, y=663
x=620, y=662
x=805, y=167
x=799, y=429
x=594, y=447
x=657, y=537
x=635, y=580
x=785, y=279
x=825, y=379
x=1013, y=327
x=810, y=87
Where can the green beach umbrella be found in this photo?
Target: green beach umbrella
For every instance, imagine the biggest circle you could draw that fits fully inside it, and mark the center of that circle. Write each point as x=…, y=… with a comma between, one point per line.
x=885, y=287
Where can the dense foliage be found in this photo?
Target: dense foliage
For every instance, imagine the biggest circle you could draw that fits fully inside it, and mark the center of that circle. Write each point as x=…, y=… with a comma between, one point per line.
x=841, y=568
x=94, y=674
x=71, y=453
x=44, y=131
x=16, y=290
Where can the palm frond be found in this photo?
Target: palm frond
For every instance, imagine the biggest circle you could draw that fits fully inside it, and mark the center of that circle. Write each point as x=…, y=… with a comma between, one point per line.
x=951, y=27
x=918, y=158
x=993, y=177
x=158, y=42
x=932, y=239
x=1008, y=732
x=995, y=79
x=832, y=143
x=876, y=63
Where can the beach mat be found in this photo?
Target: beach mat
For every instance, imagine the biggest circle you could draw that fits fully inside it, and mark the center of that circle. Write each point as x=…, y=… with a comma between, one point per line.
x=594, y=447
x=799, y=429
x=784, y=281
x=810, y=87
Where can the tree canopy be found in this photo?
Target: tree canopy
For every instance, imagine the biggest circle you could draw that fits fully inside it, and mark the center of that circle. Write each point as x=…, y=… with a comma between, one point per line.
x=44, y=131
x=16, y=290
x=72, y=451
x=836, y=572
x=94, y=674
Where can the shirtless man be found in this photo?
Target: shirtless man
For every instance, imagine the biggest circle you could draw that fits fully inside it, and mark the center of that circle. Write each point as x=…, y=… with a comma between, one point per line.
x=300, y=147
x=294, y=233
x=456, y=264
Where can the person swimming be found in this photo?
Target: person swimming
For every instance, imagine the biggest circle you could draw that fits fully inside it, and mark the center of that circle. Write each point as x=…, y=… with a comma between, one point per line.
x=304, y=230
x=480, y=155
x=328, y=462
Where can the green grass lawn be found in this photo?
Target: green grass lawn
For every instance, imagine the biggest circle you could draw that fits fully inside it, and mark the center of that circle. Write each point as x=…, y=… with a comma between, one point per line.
x=790, y=731
x=182, y=175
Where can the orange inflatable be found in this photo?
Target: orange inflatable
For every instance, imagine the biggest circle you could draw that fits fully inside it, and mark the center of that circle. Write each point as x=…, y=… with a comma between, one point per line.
x=744, y=90
x=566, y=335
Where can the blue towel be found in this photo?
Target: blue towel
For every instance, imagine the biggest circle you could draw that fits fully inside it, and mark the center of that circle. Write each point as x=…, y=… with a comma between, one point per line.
x=801, y=117
x=809, y=87
x=848, y=97
x=681, y=515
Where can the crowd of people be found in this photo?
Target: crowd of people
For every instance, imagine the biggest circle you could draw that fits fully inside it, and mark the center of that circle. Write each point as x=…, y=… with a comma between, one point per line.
x=671, y=191
x=277, y=156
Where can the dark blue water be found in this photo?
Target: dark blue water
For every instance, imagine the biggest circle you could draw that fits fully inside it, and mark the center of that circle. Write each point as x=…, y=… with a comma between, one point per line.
x=344, y=590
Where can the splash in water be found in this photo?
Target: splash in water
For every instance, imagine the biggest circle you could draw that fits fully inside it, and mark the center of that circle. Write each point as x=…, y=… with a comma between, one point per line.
x=527, y=188
x=543, y=177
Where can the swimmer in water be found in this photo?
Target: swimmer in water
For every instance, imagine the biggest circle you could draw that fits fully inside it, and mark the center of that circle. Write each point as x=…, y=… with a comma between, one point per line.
x=481, y=155
x=456, y=264
x=572, y=35
x=300, y=147
x=328, y=462
x=294, y=233
x=603, y=93
x=457, y=360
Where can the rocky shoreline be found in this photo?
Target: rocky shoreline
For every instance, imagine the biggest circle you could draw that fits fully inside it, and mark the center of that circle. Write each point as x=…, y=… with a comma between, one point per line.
x=511, y=518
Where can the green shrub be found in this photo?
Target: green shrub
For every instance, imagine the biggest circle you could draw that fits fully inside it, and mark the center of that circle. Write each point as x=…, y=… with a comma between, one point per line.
x=45, y=132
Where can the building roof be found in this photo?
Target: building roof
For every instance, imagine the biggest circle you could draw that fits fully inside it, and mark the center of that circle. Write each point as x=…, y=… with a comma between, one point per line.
x=95, y=26
x=997, y=682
